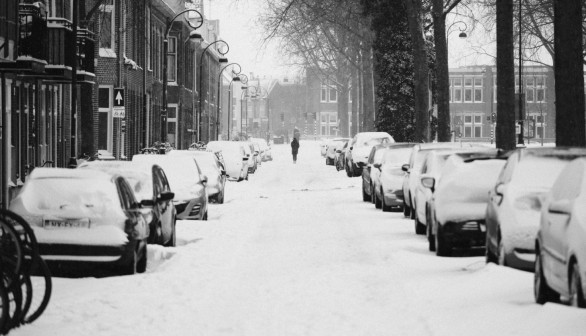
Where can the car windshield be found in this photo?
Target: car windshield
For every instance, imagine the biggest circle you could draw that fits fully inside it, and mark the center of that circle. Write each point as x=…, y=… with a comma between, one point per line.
x=138, y=176
x=71, y=195
x=539, y=171
x=378, y=155
x=207, y=164
x=397, y=157
x=371, y=142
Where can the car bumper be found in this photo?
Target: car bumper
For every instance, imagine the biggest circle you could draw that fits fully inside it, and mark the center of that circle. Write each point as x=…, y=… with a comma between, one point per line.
x=194, y=209
x=393, y=198
x=522, y=259
x=469, y=233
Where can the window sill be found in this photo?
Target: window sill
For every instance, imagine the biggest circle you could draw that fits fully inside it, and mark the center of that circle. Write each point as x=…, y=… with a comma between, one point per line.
x=107, y=53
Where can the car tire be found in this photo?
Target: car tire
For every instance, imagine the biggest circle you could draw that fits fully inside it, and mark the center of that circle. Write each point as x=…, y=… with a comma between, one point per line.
x=372, y=195
x=220, y=197
x=205, y=216
x=541, y=290
x=430, y=238
x=412, y=210
x=137, y=264
x=442, y=245
x=406, y=210
x=141, y=265
x=348, y=172
x=419, y=227
x=490, y=255
x=329, y=162
x=576, y=291
x=173, y=239
x=384, y=206
x=365, y=196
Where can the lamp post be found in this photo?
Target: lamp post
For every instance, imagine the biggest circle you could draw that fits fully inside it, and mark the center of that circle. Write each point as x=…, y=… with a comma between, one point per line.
x=222, y=60
x=261, y=91
x=243, y=95
x=219, y=92
x=521, y=95
x=242, y=78
x=194, y=36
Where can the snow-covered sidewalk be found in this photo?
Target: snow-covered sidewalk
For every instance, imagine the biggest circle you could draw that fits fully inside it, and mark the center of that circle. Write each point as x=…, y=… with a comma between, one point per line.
x=294, y=251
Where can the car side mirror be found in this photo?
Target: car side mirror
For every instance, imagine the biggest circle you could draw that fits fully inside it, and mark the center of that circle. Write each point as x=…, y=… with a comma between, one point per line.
x=499, y=189
x=166, y=196
x=377, y=165
x=147, y=203
x=405, y=167
x=428, y=182
x=223, y=172
x=245, y=158
x=563, y=206
x=204, y=179
x=351, y=147
x=338, y=151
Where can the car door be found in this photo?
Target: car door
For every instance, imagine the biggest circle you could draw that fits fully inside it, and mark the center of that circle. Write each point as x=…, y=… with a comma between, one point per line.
x=366, y=181
x=557, y=223
x=495, y=199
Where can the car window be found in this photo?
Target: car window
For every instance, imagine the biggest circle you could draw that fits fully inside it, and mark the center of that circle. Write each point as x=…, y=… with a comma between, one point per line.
x=569, y=183
x=157, y=182
x=126, y=197
x=396, y=157
x=378, y=155
x=507, y=172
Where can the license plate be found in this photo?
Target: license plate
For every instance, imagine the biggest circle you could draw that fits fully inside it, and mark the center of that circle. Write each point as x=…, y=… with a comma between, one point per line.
x=67, y=224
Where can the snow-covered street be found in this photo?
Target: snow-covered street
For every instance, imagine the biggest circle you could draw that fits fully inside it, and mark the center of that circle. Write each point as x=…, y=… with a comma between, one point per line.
x=295, y=251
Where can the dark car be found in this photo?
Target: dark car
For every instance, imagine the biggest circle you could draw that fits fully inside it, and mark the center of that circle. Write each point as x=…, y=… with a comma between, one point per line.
x=151, y=187
x=368, y=172
x=514, y=207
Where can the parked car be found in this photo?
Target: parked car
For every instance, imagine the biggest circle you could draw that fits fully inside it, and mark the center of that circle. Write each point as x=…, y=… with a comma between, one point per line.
x=152, y=189
x=359, y=149
x=211, y=167
x=265, y=149
x=388, y=187
x=235, y=159
x=370, y=173
x=331, y=148
x=455, y=212
x=339, y=160
x=187, y=183
x=278, y=140
x=560, y=248
x=249, y=152
x=255, y=148
x=413, y=171
x=512, y=215
x=85, y=217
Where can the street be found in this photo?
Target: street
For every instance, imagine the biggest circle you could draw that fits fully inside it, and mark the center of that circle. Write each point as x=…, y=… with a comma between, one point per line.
x=295, y=251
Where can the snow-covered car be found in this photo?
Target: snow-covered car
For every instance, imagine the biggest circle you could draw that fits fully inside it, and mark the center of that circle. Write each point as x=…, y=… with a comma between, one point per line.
x=560, y=265
x=413, y=171
x=152, y=189
x=211, y=167
x=331, y=148
x=512, y=215
x=85, y=217
x=388, y=187
x=359, y=148
x=370, y=173
x=235, y=159
x=187, y=183
x=323, y=146
x=250, y=153
x=255, y=148
x=455, y=213
x=265, y=149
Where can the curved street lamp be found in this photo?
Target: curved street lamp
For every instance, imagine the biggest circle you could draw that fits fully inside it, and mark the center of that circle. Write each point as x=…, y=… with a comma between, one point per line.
x=222, y=60
x=264, y=94
x=193, y=36
x=219, y=92
x=462, y=30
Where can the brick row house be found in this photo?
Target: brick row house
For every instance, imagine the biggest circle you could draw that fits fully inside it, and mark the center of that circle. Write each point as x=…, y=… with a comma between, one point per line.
x=46, y=50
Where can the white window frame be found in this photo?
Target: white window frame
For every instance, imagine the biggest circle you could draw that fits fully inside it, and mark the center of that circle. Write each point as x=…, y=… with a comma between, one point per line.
x=110, y=132
x=331, y=90
x=109, y=52
x=542, y=87
x=458, y=88
x=323, y=93
x=169, y=120
x=172, y=77
x=468, y=88
x=478, y=89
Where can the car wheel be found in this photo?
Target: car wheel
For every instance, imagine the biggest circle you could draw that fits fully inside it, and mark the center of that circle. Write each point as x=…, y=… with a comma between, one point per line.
x=377, y=201
x=430, y=238
x=137, y=263
x=365, y=196
x=386, y=208
x=141, y=265
x=205, y=216
x=372, y=195
x=173, y=239
x=419, y=227
x=220, y=197
x=412, y=212
x=576, y=291
x=348, y=172
x=541, y=290
x=442, y=245
x=490, y=256
x=406, y=210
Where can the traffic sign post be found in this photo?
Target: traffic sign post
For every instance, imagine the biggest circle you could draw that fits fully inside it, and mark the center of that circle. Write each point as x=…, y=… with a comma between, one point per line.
x=118, y=111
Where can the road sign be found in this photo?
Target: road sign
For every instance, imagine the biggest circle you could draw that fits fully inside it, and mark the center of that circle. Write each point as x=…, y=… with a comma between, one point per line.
x=118, y=111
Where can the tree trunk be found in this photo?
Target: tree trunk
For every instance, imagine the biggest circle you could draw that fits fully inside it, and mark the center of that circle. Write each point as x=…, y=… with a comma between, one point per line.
x=421, y=70
x=355, y=101
x=343, y=91
x=442, y=71
x=368, y=91
x=569, y=73
x=505, y=65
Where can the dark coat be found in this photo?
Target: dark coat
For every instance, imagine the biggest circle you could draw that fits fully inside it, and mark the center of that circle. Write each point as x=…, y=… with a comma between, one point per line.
x=294, y=146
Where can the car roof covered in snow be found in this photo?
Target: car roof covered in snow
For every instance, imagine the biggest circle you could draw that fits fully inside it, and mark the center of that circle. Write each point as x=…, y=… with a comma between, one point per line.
x=47, y=172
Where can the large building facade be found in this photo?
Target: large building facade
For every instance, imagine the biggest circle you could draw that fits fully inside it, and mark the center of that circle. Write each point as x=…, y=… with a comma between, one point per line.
x=64, y=76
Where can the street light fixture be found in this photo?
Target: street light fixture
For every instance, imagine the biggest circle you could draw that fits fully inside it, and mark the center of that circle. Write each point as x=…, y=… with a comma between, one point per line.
x=462, y=30
x=221, y=60
x=193, y=36
x=219, y=92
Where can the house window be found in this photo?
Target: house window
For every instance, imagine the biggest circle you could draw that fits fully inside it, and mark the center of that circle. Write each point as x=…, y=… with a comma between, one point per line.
x=60, y=9
x=333, y=95
x=149, y=38
x=172, y=125
x=172, y=60
x=457, y=90
x=478, y=90
x=540, y=89
x=472, y=126
x=107, y=29
x=539, y=124
x=324, y=94
x=467, y=90
x=494, y=90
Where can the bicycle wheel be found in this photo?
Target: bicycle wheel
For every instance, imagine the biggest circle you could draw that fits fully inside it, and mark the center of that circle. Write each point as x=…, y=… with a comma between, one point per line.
x=11, y=255
x=38, y=292
x=14, y=294
x=25, y=233
x=4, y=308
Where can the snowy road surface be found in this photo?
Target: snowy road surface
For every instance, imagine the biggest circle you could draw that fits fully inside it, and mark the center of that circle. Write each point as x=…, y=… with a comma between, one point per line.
x=294, y=251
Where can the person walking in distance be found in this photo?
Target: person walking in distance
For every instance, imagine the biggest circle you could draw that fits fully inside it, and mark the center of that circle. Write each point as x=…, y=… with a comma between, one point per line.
x=294, y=149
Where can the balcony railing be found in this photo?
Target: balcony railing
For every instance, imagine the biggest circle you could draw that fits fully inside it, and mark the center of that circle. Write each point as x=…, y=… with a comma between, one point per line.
x=32, y=32
x=85, y=50
x=60, y=37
